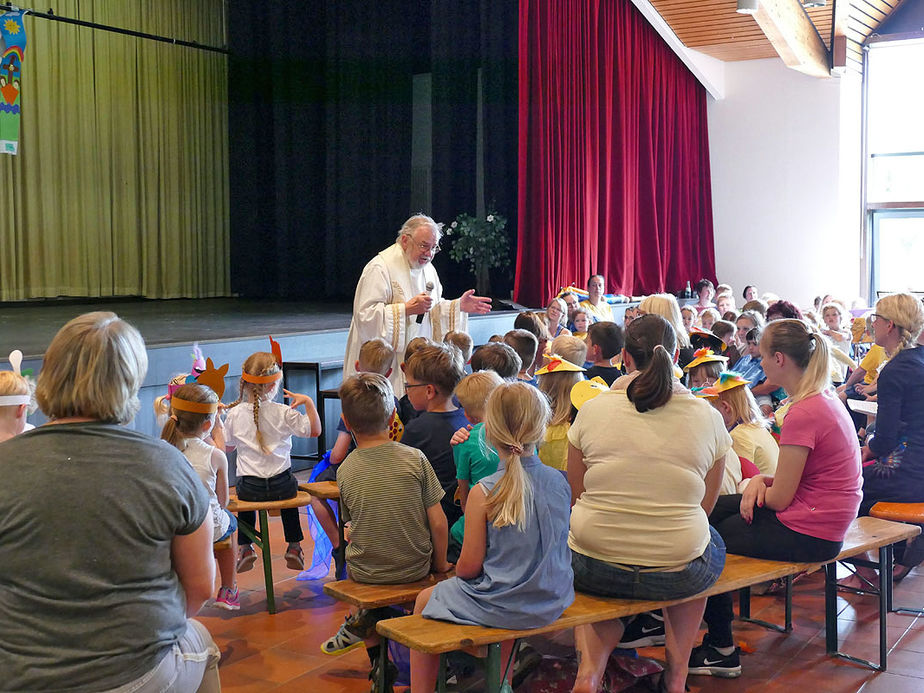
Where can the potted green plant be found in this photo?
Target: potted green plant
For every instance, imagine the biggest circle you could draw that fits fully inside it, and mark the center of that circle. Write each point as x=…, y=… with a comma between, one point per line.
x=481, y=243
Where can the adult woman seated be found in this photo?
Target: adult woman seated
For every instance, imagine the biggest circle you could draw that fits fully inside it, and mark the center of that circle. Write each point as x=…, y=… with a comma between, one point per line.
x=557, y=315
x=105, y=533
x=667, y=307
x=802, y=512
x=897, y=448
x=645, y=465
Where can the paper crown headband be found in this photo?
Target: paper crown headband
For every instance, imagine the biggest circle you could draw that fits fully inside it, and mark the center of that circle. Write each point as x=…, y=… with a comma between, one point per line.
x=13, y=400
x=727, y=381
x=556, y=364
x=704, y=355
x=272, y=377
x=586, y=390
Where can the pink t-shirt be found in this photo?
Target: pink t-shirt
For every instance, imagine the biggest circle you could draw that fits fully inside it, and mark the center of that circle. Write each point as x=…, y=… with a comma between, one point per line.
x=829, y=492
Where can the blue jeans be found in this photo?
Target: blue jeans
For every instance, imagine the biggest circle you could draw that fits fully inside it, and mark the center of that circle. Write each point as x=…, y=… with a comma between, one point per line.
x=609, y=580
x=232, y=525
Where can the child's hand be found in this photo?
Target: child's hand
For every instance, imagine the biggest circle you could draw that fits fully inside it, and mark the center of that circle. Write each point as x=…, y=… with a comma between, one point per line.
x=298, y=399
x=460, y=436
x=443, y=566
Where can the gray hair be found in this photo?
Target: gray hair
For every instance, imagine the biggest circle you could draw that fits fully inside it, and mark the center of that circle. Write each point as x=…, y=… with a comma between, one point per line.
x=416, y=222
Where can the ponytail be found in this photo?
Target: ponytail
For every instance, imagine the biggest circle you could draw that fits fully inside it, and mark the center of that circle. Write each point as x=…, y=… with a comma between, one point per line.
x=515, y=420
x=650, y=341
x=807, y=347
x=184, y=423
x=172, y=435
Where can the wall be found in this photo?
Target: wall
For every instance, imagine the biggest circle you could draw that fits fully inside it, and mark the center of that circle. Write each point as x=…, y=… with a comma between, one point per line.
x=785, y=157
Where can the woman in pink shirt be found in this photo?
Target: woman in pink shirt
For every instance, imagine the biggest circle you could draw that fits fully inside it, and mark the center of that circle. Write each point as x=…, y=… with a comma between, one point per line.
x=802, y=512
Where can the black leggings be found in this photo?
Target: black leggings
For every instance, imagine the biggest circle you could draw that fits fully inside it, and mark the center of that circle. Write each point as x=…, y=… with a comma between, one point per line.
x=279, y=487
x=766, y=537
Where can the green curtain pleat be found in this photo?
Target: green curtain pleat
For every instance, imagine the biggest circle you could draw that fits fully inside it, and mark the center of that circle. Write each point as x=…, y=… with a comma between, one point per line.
x=121, y=184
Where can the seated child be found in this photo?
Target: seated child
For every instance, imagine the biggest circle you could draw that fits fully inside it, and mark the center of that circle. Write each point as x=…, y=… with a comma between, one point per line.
x=688, y=315
x=708, y=318
x=406, y=410
x=705, y=367
x=537, y=324
x=262, y=431
x=391, y=496
x=432, y=374
x=570, y=348
x=375, y=356
x=604, y=343
x=499, y=357
x=515, y=568
x=526, y=345
x=833, y=316
x=462, y=341
x=186, y=429
x=556, y=379
x=16, y=402
x=748, y=366
x=473, y=457
x=580, y=321
x=725, y=330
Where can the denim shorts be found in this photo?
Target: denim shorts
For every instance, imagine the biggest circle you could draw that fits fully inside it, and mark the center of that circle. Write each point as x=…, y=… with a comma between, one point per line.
x=609, y=580
x=232, y=525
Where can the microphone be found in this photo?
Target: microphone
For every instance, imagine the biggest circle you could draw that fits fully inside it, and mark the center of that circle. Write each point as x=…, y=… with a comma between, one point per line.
x=429, y=289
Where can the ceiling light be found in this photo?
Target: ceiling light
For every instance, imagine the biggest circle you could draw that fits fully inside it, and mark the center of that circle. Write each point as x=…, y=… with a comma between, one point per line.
x=808, y=4
x=747, y=6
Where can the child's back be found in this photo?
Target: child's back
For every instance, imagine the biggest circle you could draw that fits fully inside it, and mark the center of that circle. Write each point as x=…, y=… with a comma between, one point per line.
x=200, y=455
x=754, y=442
x=526, y=579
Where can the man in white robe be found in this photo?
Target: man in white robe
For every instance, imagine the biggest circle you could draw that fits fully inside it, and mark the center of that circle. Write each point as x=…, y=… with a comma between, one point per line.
x=393, y=293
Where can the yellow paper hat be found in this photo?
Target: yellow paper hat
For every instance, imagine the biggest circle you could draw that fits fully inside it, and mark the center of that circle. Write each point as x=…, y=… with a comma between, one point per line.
x=586, y=390
x=556, y=364
x=729, y=381
x=705, y=392
x=701, y=356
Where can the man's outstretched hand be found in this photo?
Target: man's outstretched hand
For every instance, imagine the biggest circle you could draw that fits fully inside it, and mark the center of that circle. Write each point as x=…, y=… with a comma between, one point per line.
x=470, y=303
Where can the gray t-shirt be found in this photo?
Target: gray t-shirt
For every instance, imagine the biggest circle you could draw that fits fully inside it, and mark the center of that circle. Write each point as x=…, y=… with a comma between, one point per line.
x=88, y=596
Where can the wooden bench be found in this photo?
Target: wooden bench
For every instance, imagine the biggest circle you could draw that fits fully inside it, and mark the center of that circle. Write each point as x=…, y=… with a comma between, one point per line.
x=328, y=490
x=911, y=513
x=866, y=533
x=261, y=537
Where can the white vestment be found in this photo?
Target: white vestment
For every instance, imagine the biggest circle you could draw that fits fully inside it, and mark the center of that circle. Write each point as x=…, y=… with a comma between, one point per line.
x=387, y=282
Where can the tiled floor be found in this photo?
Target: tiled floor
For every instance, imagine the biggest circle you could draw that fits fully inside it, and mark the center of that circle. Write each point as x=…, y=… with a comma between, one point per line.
x=282, y=653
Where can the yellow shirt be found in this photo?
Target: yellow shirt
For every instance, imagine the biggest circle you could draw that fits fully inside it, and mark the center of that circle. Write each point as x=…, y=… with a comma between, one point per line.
x=604, y=312
x=874, y=360
x=554, y=451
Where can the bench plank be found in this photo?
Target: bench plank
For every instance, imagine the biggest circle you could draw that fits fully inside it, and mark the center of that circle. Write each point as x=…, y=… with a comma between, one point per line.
x=435, y=637
x=374, y=596
x=301, y=499
x=326, y=490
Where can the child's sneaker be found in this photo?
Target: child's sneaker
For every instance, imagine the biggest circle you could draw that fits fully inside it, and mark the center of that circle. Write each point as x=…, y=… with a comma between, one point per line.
x=645, y=630
x=343, y=641
x=295, y=559
x=246, y=560
x=708, y=661
x=228, y=599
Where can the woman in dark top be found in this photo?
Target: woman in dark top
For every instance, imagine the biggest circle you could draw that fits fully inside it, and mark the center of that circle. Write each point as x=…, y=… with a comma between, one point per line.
x=894, y=457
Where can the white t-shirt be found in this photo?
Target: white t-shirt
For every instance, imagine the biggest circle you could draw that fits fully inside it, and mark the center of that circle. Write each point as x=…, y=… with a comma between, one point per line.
x=278, y=423
x=755, y=443
x=645, y=479
x=199, y=454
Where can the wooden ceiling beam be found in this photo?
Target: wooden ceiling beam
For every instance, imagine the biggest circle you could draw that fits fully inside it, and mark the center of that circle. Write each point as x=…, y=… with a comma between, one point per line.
x=793, y=36
x=839, y=38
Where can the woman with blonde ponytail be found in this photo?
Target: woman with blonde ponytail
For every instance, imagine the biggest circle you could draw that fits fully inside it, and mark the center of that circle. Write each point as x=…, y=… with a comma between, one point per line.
x=645, y=463
x=514, y=571
x=262, y=431
x=802, y=511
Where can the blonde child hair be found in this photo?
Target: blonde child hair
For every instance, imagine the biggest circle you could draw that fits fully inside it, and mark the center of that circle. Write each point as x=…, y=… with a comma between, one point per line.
x=259, y=364
x=15, y=384
x=807, y=347
x=667, y=307
x=711, y=313
x=473, y=391
x=711, y=370
x=743, y=407
x=184, y=424
x=414, y=345
x=376, y=356
x=515, y=419
x=13, y=415
x=557, y=388
x=162, y=403
x=462, y=341
x=368, y=403
x=570, y=348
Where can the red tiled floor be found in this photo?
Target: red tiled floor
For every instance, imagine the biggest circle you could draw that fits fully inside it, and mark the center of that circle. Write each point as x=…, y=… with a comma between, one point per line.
x=281, y=652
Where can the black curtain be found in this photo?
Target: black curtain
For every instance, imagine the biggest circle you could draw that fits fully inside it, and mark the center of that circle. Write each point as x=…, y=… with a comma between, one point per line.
x=320, y=132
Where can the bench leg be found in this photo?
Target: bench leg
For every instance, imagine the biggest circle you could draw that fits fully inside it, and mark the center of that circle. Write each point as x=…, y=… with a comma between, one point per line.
x=441, y=675
x=744, y=609
x=340, y=553
x=267, y=562
x=380, y=679
x=492, y=669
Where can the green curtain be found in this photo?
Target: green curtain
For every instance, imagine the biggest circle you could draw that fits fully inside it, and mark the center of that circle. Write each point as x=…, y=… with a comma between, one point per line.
x=121, y=184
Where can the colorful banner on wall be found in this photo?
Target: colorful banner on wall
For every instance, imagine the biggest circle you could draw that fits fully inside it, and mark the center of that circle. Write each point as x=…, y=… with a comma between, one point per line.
x=12, y=51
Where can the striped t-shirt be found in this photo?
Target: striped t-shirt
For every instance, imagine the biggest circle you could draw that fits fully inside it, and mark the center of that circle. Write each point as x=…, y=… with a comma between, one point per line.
x=385, y=492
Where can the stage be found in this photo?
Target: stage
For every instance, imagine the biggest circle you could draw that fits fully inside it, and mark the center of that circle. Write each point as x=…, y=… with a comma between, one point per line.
x=227, y=329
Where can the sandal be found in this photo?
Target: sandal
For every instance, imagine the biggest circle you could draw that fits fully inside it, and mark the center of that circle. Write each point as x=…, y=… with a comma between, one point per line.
x=901, y=573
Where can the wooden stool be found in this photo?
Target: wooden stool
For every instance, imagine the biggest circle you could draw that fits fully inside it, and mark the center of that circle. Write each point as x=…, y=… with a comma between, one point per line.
x=912, y=514
x=328, y=490
x=262, y=537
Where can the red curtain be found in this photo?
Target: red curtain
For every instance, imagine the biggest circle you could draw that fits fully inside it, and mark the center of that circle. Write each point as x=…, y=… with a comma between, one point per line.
x=613, y=154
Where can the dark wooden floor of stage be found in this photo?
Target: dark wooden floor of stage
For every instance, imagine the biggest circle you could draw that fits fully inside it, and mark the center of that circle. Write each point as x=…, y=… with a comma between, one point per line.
x=30, y=326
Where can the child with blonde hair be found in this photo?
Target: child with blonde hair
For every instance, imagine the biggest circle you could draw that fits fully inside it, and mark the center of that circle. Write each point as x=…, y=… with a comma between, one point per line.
x=570, y=348
x=262, y=431
x=515, y=567
x=462, y=341
x=474, y=459
x=556, y=379
x=193, y=410
x=16, y=402
x=709, y=317
x=705, y=367
x=832, y=314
